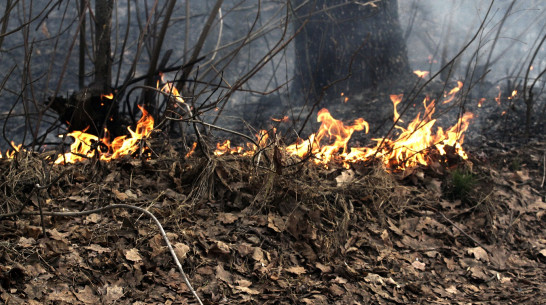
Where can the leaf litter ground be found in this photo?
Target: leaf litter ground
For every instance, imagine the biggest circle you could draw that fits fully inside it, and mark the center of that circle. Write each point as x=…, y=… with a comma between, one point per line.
x=251, y=235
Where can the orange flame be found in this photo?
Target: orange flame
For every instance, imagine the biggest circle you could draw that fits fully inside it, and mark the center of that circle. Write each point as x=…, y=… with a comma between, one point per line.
x=338, y=134
x=108, y=96
x=87, y=145
x=170, y=89
x=498, y=97
x=11, y=154
x=410, y=149
x=284, y=119
x=192, y=150
x=514, y=94
x=451, y=95
x=396, y=99
x=421, y=74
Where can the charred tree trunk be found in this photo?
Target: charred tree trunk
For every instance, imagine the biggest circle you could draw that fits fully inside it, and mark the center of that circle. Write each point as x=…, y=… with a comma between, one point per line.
x=345, y=46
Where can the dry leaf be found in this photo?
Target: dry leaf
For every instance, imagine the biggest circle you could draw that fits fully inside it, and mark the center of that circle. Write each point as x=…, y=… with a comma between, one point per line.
x=418, y=265
x=97, y=248
x=450, y=263
x=346, y=177
x=452, y=289
x=223, y=274
x=80, y=199
x=479, y=253
x=181, y=250
x=87, y=296
x=221, y=247
x=258, y=255
x=247, y=290
x=133, y=255
x=120, y=196
x=336, y=290
x=323, y=268
x=297, y=270
x=113, y=293
x=92, y=218
x=26, y=242
x=275, y=222
x=131, y=195
x=56, y=235
x=227, y=218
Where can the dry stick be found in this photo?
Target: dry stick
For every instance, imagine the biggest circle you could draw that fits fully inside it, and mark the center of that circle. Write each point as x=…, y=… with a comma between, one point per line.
x=529, y=99
x=543, y=169
x=200, y=43
x=279, y=46
x=130, y=207
x=152, y=66
x=466, y=234
x=4, y=28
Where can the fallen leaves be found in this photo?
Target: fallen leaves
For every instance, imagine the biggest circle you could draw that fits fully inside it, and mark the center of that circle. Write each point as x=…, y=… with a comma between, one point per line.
x=340, y=237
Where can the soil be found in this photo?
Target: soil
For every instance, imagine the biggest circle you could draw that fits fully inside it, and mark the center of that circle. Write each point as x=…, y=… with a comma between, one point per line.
x=251, y=231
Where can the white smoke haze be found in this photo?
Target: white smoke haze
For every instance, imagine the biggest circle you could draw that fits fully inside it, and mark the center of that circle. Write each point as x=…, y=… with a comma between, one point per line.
x=436, y=32
x=442, y=28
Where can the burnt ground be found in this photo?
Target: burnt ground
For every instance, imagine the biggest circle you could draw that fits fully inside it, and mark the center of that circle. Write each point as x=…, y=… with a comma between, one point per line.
x=252, y=232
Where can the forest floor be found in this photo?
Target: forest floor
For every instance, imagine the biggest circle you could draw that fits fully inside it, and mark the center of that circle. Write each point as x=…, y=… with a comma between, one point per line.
x=470, y=233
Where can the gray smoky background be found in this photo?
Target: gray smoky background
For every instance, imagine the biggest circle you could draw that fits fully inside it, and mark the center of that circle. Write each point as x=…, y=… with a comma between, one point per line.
x=246, y=69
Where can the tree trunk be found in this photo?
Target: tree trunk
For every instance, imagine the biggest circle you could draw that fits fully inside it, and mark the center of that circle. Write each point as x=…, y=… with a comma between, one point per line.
x=347, y=46
x=103, y=59
x=88, y=109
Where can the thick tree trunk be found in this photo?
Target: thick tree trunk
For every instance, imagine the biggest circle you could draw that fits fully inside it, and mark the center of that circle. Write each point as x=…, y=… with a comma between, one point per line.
x=347, y=46
x=103, y=59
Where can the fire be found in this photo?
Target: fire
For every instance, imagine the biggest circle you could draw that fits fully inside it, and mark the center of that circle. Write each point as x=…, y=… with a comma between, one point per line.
x=284, y=119
x=411, y=147
x=338, y=134
x=87, y=145
x=451, y=95
x=396, y=99
x=225, y=148
x=192, y=150
x=421, y=74
x=514, y=95
x=107, y=96
x=344, y=99
x=11, y=154
x=330, y=143
x=170, y=89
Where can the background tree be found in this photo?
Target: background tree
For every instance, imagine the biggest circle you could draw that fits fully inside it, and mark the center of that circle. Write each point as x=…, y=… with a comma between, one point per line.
x=347, y=46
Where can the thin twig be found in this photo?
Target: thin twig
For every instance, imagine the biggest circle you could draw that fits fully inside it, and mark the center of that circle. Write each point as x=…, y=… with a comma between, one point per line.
x=543, y=169
x=139, y=209
x=465, y=234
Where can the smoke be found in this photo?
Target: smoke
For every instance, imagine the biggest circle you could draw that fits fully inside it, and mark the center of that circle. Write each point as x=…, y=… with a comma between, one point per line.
x=438, y=30
x=434, y=31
